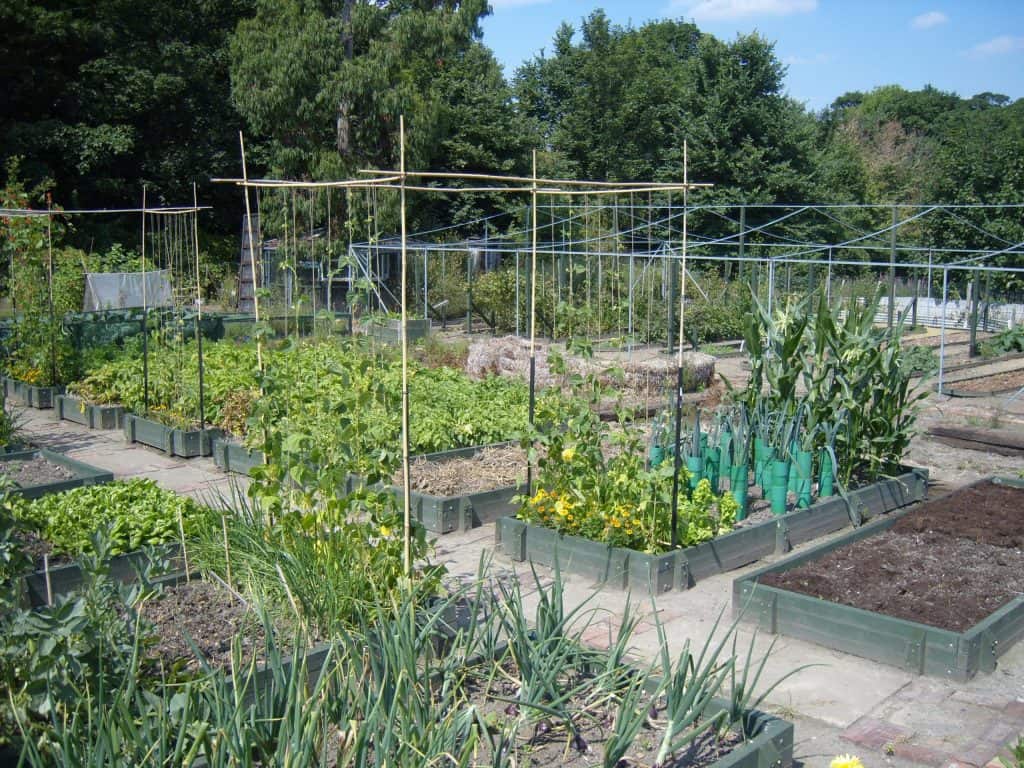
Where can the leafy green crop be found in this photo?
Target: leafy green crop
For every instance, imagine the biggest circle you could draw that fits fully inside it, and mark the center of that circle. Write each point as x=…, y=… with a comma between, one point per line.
x=136, y=513
x=1005, y=342
x=308, y=385
x=228, y=370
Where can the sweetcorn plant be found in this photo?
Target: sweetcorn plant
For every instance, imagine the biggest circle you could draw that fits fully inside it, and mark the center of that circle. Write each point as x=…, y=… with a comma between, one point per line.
x=844, y=365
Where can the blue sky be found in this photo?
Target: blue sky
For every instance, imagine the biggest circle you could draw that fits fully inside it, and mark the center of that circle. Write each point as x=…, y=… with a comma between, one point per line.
x=829, y=46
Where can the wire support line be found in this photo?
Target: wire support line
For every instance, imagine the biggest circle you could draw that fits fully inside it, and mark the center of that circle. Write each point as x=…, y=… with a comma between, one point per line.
x=974, y=226
x=35, y=212
x=633, y=186
x=558, y=248
x=292, y=184
x=1012, y=249
x=878, y=233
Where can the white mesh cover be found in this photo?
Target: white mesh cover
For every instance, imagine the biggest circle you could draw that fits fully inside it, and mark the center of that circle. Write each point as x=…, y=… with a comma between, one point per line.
x=120, y=290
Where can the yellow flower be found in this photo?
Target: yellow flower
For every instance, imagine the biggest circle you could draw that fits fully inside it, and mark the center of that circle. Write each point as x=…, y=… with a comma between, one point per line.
x=568, y=454
x=385, y=531
x=538, y=497
x=846, y=761
x=562, y=507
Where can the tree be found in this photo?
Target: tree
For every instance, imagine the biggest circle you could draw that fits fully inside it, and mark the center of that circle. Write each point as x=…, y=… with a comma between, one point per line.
x=482, y=131
x=102, y=98
x=327, y=80
x=619, y=103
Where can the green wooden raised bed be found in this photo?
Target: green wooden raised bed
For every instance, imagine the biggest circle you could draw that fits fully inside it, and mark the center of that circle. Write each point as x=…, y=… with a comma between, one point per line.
x=682, y=569
x=174, y=442
x=447, y=514
x=34, y=397
x=84, y=474
x=78, y=411
x=235, y=457
x=614, y=566
x=65, y=579
x=772, y=747
x=914, y=647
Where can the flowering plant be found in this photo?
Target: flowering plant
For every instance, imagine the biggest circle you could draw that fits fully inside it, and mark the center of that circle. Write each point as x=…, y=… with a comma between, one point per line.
x=593, y=480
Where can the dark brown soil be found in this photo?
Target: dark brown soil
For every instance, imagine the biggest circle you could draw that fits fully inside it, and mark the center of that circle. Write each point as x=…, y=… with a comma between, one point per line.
x=949, y=563
x=26, y=473
x=997, y=382
x=35, y=546
x=208, y=614
x=986, y=512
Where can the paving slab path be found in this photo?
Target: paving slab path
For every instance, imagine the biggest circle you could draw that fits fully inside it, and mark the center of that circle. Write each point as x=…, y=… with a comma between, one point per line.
x=842, y=704
x=200, y=478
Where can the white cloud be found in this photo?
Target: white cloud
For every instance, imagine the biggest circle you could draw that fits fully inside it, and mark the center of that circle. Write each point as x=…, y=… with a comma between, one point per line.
x=929, y=20
x=498, y=4
x=997, y=46
x=717, y=10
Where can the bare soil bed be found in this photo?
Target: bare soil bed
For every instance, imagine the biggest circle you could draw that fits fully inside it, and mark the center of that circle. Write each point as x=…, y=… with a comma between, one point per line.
x=208, y=614
x=1007, y=381
x=27, y=473
x=949, y=563
x=488, y=469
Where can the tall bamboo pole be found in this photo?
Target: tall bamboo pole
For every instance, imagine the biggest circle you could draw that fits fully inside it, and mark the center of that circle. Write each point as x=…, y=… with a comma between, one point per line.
x=199, y=310
x=252, y=254
x=49, y=281
x=533, y=315
x=145, y=315
x=677, y=453
x=406, y=479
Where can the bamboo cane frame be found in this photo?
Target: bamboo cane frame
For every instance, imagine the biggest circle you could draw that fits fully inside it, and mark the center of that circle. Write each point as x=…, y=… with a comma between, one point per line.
x=387, y=181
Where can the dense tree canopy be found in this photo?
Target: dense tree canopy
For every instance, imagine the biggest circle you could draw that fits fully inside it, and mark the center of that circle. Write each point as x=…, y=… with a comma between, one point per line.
x=326, y=81
x=100, y=98
x=619, y=103
x=103, y=97
x=897, y=146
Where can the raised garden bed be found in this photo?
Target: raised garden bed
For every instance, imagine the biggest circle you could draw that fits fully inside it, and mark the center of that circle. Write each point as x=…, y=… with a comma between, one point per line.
x=30, y=395
x=681, y=569
x=197, y=615
x=174, y=442
x=463, y=488
x=43, y=586
x=235, y=457
x=78, y=411
x=40, y=471
x=934, y=590
x=984, y=386
x=771, y=747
